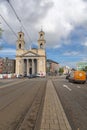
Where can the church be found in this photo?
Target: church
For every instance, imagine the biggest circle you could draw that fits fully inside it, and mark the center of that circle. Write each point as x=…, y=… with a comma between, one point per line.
x=30, y=61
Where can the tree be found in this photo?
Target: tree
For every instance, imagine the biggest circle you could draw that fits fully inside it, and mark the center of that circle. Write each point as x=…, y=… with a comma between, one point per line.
x=85, y=69
x=61, y=70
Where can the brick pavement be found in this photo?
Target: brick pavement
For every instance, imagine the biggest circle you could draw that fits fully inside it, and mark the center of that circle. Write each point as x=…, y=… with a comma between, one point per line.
x=53, y=117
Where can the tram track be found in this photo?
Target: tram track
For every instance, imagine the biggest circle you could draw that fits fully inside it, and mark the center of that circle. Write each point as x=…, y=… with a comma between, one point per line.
x=15, y=98
x=23, y=113
x=29, y=119
x=13, y=88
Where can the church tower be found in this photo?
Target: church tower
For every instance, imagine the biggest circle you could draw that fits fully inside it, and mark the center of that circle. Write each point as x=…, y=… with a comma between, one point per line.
x=20, y=41
x=41, y=40
x=30, y=61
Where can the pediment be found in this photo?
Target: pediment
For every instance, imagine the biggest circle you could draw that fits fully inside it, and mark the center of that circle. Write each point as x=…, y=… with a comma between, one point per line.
x=30, y=54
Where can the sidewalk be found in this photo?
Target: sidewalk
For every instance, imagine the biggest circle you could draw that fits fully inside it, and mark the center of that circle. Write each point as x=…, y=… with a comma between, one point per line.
x=53, y=117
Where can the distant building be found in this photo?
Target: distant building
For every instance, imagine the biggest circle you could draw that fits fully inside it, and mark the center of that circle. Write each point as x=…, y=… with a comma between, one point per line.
x=52, y=66
x=7, y=65
x=66, y=69
x=81, y=65
x=1, y=65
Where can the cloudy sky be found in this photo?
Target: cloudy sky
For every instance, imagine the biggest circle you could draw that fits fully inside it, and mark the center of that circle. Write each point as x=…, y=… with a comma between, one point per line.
x=64, y=24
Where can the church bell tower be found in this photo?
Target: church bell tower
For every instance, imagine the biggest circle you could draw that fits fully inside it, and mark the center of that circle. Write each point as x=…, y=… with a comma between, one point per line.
x=20, y=41
x=41, y=40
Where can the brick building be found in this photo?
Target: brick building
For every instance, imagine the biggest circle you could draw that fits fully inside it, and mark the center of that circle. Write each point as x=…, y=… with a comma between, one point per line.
x=7, y=65
x=52, y=66
x=1, y=65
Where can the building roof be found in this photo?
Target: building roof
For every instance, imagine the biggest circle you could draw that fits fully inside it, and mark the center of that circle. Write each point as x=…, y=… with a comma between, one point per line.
x=51, y=61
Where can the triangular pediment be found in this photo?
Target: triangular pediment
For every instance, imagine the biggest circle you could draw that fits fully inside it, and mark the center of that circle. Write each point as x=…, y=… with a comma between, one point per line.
x=29, y=54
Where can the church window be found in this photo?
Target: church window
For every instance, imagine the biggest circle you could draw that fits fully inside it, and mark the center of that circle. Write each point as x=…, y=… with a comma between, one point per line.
x=41, y=45
x=20, y=35
x=19, y=46
x=41, y=35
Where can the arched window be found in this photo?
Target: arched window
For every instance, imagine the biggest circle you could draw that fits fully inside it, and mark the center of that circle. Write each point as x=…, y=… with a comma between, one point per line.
x=19, y=46
x=41, y=45
x=20, y=35
x=41, y=35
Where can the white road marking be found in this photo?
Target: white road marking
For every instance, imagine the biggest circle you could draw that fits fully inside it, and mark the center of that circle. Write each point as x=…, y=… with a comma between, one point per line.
x=65, y=86
x=78, y=87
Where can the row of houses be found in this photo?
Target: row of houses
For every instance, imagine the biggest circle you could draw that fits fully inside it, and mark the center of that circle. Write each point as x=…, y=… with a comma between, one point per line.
x=79, y=66
x=7, y=66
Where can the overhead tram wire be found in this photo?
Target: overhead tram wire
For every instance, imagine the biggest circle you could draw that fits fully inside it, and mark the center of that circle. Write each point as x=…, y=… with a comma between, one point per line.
x=20, y=21
x=8, y=25
x=14, y=10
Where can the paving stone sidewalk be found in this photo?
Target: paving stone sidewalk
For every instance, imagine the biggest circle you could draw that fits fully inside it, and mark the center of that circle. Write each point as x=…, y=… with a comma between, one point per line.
x=53, y=117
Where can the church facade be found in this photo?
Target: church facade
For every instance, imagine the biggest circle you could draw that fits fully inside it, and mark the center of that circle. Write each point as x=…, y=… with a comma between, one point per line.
x=30, y=61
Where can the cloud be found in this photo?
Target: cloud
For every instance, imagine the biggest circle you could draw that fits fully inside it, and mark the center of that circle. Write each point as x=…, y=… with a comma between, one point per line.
x=58, y=18
x=71, y=53
x=64, y=23
x=7, y=51
x=57, y=46
x=70, y=64
x=84, y=59
x=85, y=43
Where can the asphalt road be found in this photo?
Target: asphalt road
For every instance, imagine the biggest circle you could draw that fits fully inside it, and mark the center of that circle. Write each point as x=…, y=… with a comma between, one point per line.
x=74, y=100
x=21, y=103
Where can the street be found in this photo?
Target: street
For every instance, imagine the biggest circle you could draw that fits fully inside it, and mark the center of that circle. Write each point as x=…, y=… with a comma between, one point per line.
x=74, y=100
x=21, y=102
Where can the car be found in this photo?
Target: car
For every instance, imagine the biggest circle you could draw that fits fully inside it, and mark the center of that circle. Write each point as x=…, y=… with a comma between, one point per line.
x=40, y=75
x=32, y=76
x=67, y=77
x=78, y=76
x=19, y=76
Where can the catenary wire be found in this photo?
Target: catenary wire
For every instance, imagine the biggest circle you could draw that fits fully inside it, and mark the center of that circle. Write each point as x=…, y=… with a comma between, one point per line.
x=8, y=25
x=20, y=21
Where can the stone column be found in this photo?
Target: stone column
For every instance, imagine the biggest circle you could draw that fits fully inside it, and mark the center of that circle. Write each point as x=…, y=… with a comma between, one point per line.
x=22, y=66
x=19, y=65
x=33, y=67
x=27, y=66
x=37, y=65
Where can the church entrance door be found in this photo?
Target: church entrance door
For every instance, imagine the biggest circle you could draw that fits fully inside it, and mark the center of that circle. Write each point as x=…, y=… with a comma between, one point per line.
x=30, y=70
